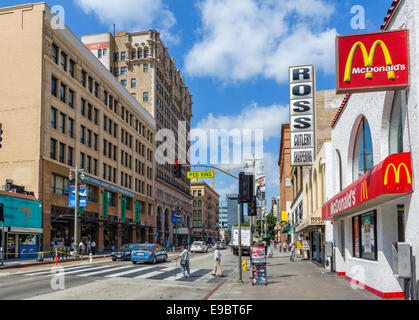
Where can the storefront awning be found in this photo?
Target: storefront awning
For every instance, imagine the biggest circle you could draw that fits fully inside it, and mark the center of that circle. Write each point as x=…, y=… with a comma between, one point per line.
x=286, y=229
x=311, y=222
x=389, y=180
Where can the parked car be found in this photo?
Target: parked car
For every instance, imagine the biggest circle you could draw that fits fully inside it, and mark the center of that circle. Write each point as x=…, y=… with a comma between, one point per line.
x=148, y=253
x=199, y=246
x=123, y=253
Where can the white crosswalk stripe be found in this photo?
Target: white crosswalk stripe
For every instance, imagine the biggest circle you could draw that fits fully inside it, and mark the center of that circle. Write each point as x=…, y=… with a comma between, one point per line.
x=88, y=274
x=154, y=273
x=114, y=275
x=88, y=269
x=46, y=271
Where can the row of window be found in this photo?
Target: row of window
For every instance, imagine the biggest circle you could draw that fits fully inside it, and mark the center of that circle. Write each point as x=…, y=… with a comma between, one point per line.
x=197, y=192
x=197, y=223
x=122, y=56
x=62, y=125
x=199, y=203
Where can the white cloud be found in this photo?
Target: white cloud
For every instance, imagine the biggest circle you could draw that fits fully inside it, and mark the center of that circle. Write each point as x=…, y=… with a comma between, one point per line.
x=247, y=39
x=133, y=15
x=268, y=118
x=233, y=188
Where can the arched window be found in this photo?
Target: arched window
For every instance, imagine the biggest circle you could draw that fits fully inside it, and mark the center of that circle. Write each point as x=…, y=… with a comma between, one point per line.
x=340, y=184
x=395, y=138
x=363, y=156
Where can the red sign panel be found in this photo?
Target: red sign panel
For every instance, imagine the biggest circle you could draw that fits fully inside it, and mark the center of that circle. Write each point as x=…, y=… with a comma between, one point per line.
x=372, y=62
x=98, y=45
x=392, y=176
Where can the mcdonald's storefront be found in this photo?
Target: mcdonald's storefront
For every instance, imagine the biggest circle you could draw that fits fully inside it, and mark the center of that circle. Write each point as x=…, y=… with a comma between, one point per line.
x=368, y=216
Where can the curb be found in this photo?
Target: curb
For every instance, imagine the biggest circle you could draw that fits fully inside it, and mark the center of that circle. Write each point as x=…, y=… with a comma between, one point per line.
x=17, y=266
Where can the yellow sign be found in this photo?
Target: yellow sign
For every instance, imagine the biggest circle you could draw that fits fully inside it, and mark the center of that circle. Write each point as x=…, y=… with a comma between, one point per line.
x=364, y=191
x=397, y=173
x=200, y=174
x=299, y=244
x=284, y=216
x=368, y=59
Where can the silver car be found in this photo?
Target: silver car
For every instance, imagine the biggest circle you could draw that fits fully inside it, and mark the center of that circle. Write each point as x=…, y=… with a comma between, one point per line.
x=199, y=246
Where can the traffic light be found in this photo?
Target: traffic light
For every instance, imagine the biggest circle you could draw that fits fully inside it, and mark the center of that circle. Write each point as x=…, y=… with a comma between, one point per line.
x=2, y=212
x=177, y=170
x=245, y=188
x=252, y=208
x=1, y=133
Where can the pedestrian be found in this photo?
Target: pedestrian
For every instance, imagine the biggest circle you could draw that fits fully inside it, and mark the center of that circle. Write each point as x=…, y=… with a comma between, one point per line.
x=89, y=247
x=184, y=261
x=93, y=247
x=217, y=264
x=81, y=248
x=292, y=252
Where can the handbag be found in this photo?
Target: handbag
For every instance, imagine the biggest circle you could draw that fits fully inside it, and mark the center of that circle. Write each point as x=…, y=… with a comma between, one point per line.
x=182, y=262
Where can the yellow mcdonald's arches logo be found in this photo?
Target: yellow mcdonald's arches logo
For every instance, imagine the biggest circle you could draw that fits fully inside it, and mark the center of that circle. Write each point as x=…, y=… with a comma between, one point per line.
x=364, y=191
x=397, y=173
x=368, y=59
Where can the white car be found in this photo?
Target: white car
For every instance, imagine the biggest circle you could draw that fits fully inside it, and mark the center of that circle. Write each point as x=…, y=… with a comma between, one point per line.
x=199, y=246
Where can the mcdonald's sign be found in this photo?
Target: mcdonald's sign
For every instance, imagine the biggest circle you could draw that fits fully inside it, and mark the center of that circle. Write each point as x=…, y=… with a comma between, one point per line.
x=364, y=191
x=372, y=62
x=388, y=180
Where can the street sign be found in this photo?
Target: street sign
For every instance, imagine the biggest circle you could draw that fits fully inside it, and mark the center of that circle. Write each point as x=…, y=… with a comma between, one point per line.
x=200, y=174
x=176, y=217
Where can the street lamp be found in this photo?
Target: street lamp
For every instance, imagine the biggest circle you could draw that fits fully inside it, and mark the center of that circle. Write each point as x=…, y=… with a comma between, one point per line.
x=70, y=177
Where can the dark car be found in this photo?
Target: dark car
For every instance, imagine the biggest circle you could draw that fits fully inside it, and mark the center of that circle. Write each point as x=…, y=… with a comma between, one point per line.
x=123, y=253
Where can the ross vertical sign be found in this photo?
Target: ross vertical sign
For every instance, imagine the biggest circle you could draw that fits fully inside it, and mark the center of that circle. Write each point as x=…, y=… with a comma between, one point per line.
x=302, y=114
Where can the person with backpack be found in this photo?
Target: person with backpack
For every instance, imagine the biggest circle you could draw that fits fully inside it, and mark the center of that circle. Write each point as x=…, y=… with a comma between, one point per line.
x=184, y=261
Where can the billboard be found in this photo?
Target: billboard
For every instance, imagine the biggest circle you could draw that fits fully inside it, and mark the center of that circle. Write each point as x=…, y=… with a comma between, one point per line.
x=302, y=114
x=372, y=62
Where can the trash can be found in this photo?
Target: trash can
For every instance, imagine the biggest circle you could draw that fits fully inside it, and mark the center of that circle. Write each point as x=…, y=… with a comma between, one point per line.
x=40, y=257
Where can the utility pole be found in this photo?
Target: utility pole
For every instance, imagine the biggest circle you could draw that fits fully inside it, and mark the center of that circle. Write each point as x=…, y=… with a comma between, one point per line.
x=240, y=242
x=76, y=204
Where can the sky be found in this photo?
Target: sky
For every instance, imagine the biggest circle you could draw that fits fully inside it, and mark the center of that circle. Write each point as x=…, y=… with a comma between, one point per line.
x=235, y=54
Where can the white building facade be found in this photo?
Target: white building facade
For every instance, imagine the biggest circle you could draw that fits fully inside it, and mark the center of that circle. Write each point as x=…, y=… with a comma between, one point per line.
x=373, y=133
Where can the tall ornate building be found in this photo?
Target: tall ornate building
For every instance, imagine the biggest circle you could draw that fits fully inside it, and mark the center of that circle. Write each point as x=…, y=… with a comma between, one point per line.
x=141, y=63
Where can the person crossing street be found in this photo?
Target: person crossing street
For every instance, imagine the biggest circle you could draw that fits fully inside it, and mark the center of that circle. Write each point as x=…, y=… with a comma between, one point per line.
x=217, y=263
x=184, y=261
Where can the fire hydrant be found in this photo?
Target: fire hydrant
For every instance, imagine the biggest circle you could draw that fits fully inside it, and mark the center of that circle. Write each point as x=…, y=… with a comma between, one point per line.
x=244, y=265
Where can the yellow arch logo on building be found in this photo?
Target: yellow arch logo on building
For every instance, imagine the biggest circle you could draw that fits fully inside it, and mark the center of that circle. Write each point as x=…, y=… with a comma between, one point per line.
x=368, y=59
x=364, y=190
x=397, y=173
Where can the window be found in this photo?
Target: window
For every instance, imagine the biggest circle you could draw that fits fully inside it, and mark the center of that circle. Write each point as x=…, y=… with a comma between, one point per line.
x=395, y=137
x=89, y=138
x=116, y=72
x=82, y=158
x=63, y=89
x=61, y=152
x=194, y=213
x=194, y=223
x=133, y=83
x=53, y=149
x=70, y=156
x=96, y=90
x=123, y=70
x=83, y=78
x=199, y=193
x=140, y=54
x=92, y=193
x=89, y=164
x=194, y=203
x=95, y=141
x=112, y=199
x=96, y=116
x=363, y=156
x=62, y=123
x=72, y=64
x=134, y=54
x=145, y=67
x=365, y=236
x=104, y=171
x=99, y=53
x=53, y=118
x=63, y=61
x=54, y=84
x=146, y=53
x=145, y=96
x=82, y=134
x=105, y=52
x=95, y=167
x=54, y=53
x=199, y=223
x=89, y=111
x=71, y=98
x=199, y=213
x=59, y=185
x=90, y=84
x=70, y=128
x=123, y=56
x=116, y=56
x=134, y=95
x=199, y=203
x=124, y=83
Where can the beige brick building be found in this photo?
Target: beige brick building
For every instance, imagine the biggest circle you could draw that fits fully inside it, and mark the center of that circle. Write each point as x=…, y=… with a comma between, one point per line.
x=61, y=108
x=205, y=205
x=141, y=63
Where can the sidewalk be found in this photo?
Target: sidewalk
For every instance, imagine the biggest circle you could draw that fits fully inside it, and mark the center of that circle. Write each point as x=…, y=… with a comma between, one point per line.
x=300, y=280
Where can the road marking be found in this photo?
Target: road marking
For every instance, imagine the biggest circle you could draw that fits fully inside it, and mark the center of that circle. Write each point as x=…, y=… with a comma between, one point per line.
x=147, y=275
x=127, y=272
x=101, y=271
x=213, y=290
x=65, y=270
x=28, y=279
x=47, y=276
x=88, y=269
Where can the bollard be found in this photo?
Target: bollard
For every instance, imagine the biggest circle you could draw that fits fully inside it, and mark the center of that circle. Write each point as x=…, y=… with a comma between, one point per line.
x=56, y=257
x=91, y=258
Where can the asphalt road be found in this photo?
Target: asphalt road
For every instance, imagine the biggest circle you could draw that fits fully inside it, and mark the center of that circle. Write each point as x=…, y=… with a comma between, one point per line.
x=117, y=280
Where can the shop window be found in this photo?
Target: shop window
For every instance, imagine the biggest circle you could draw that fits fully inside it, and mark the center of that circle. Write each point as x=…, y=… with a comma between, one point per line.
x=112, y=199
x=363, y=153
x=364, y=236
x=129, y=204
x=395, y=143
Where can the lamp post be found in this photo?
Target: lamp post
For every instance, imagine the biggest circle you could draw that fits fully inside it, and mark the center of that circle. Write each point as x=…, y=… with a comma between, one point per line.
x=76, y=204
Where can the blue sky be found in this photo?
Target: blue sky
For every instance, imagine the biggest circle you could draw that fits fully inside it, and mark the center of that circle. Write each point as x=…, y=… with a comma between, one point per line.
x=235, y=54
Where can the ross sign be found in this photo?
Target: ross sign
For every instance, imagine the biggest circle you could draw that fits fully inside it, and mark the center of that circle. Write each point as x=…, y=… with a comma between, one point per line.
x=200, y=174
x=372, y=62
x=302, y=112
x=393, y=176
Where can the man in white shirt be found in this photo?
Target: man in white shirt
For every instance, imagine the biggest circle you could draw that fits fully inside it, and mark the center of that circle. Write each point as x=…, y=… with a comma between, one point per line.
x=93, y=247
x=184, y=262
x=217, y=264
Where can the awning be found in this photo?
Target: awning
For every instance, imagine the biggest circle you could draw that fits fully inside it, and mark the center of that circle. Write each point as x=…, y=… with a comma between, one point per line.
x=311, y=222
x=286, y=229
x=390, y=179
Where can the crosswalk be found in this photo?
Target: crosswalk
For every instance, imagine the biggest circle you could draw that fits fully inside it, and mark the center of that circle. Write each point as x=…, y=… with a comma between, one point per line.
x=159, y=272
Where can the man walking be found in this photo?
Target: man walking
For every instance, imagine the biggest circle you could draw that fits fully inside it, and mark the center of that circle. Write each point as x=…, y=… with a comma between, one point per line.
x=292, y=252
x=184, y=261
x=217, y=264
x=93, y=247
